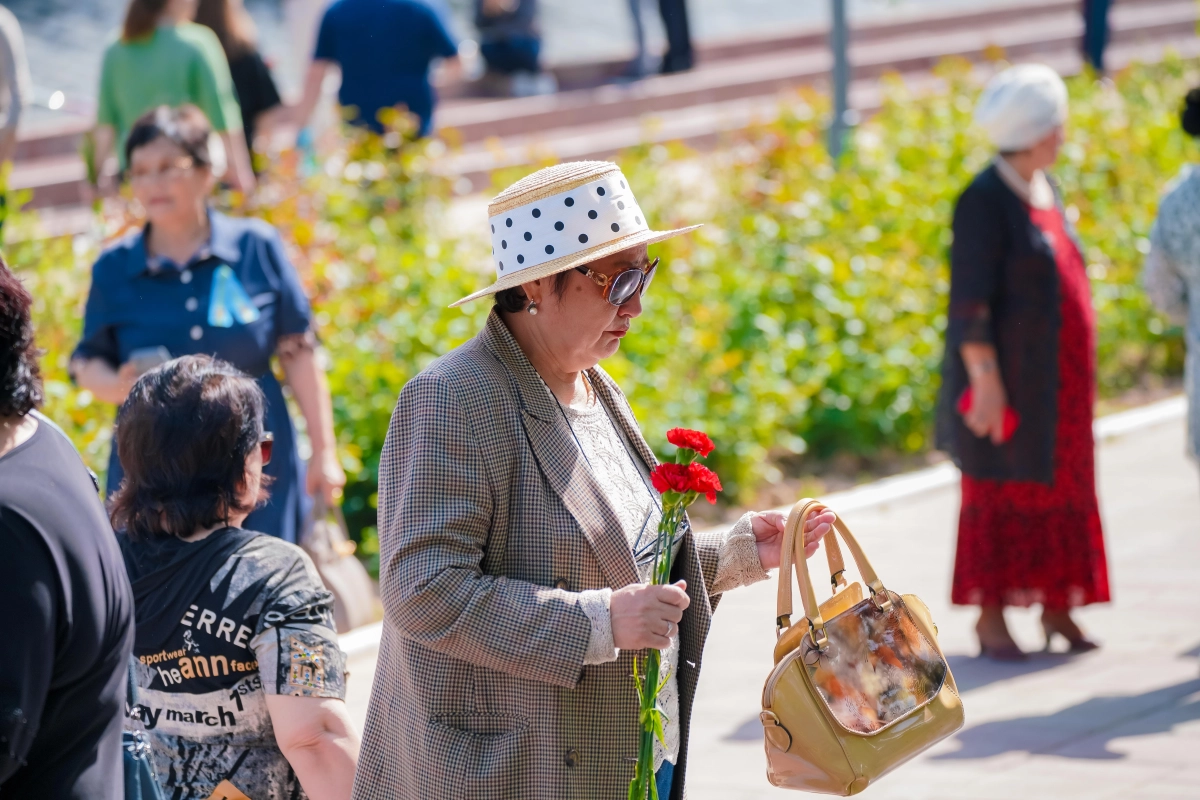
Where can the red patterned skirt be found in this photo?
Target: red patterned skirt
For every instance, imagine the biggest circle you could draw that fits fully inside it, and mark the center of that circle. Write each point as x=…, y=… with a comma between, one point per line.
x=1023, y=542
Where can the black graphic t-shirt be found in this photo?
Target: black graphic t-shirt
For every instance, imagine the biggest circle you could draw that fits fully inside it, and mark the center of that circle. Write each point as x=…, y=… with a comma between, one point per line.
x=221, y=623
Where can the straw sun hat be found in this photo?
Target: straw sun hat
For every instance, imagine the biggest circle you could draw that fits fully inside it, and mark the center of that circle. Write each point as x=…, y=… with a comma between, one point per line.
x=563, y=217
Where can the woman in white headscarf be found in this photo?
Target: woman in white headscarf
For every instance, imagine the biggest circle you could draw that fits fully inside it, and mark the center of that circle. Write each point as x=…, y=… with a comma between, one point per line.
x=1018, y=380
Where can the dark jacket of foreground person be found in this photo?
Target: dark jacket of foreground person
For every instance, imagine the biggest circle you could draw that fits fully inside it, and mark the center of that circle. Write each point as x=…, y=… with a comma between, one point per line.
x=68, y=628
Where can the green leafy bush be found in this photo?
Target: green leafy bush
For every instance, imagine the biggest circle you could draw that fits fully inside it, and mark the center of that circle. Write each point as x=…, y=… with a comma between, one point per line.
x=804, y=320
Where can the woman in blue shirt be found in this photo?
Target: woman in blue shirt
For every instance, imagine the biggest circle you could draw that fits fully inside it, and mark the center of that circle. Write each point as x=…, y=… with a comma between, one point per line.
x=196, y=281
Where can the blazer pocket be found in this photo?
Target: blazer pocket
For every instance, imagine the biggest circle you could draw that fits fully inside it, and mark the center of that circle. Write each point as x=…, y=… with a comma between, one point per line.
x=482, y=754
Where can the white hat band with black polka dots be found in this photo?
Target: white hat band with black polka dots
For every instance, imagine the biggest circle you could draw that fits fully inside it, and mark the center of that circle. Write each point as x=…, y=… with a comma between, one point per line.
x=563, y=224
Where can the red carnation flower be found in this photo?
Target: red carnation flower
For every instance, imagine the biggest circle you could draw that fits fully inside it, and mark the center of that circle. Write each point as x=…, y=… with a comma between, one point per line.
x=670, y=477
x=691, y=440
x=703, y=480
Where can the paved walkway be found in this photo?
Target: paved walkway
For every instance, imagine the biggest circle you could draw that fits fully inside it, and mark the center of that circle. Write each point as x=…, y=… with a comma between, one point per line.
x=1121, y=722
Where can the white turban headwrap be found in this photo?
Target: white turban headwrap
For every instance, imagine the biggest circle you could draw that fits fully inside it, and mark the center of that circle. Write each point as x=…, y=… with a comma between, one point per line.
x=1021, y=106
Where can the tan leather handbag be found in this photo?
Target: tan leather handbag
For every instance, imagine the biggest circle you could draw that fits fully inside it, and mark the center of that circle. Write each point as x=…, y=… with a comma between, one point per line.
x=860, y=685
x=327, y=542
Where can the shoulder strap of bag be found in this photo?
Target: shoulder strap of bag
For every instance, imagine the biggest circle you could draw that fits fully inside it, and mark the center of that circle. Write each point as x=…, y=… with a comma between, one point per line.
x=792, y=557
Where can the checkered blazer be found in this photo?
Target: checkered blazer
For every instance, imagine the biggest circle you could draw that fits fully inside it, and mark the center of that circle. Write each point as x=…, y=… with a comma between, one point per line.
x=490, y=524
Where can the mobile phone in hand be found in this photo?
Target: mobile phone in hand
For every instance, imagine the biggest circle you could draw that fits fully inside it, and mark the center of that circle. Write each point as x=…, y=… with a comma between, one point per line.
x=145, y=359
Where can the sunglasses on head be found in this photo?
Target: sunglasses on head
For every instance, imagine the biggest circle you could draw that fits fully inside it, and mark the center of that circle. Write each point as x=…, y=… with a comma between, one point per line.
x=621, y=287
x=266, y=443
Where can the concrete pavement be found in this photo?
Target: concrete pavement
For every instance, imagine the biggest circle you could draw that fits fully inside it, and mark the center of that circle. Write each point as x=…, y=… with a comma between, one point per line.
x=1121, y=722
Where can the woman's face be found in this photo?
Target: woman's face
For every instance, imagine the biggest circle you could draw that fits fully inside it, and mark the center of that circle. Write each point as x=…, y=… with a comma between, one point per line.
x=581, y=328
x=1045, y=152
x=252, y=482
x=167, y=182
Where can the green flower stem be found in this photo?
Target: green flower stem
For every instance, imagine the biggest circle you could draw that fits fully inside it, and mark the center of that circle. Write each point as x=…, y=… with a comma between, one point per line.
x=643, y=786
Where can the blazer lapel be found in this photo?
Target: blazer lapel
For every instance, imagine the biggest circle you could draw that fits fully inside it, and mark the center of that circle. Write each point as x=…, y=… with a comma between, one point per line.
x=560, y=459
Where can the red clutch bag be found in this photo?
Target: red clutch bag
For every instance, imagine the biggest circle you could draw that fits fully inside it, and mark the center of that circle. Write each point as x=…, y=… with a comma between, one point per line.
x=1011, y=418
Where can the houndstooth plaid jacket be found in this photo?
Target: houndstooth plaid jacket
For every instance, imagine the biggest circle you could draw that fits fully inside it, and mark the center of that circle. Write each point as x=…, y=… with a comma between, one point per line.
x=490, y=524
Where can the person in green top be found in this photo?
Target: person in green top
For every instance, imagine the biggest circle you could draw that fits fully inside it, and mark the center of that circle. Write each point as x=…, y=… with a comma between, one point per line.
x=163, y=58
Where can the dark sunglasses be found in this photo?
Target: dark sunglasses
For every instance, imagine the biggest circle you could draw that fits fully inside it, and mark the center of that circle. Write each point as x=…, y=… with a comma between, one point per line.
x=621, y=287
x=266, y=443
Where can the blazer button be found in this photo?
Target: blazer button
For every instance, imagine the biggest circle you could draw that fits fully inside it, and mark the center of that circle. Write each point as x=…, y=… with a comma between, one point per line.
x=561, y=583
x=571, y=758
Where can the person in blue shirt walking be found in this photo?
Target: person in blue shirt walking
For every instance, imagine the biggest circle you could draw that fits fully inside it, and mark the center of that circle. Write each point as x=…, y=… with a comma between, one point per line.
x=384, y=49
x=194, y=281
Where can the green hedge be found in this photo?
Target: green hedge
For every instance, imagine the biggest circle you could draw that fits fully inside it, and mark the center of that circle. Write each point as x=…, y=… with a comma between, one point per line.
x=804, y=320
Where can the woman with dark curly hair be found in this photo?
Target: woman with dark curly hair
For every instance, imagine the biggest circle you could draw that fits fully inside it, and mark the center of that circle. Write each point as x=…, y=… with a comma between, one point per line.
x=240, y=678
x=1172, y=273
x=68, y=607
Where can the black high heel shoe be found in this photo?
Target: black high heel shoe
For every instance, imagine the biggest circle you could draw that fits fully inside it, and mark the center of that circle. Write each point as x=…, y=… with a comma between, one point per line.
x=1076, y=645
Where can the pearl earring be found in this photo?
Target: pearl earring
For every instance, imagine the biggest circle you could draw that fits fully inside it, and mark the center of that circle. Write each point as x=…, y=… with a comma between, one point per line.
x=532, y=309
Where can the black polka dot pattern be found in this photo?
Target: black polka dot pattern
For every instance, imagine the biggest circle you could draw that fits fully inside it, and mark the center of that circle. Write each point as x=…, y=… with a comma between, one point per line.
x=606, y=212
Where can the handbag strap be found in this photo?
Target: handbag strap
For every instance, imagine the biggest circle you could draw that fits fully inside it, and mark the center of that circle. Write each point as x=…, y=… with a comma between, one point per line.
x=792, y=558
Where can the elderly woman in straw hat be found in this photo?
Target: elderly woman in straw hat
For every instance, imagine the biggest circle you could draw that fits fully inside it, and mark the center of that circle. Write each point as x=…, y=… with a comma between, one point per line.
x=1019, y=378
x=515, y=512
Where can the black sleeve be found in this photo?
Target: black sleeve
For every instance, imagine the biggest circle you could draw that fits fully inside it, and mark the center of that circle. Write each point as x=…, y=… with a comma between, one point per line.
x=29, y=596
x=976, y=261
x=268, y=93
x=255, y=87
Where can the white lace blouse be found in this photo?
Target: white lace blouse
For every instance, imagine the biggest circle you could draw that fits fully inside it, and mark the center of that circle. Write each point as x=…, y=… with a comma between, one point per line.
x=617, y=468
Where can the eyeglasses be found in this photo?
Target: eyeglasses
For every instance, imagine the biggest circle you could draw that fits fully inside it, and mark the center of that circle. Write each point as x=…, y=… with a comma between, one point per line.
x=170, y=172
x=621, y=287
x=266, y=443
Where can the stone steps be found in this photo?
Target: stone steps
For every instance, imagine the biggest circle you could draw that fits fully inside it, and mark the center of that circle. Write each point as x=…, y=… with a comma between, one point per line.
x=734, y=82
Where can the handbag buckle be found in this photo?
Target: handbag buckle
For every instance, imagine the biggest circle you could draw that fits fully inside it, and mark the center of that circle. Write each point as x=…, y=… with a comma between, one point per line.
x=820, y=643
x=886, y=604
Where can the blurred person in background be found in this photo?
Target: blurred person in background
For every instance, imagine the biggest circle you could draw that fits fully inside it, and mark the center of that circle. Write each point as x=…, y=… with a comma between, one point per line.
x=258, y=98
x=678, y=57
x=384, y=49
x=642, y=63
x=1172, y=273
x=68, y=606
x=511, y=46
x=1019, y=378
x=240, y=680
x=163, y=58
x=1095, y=32
x=196, y=281
x=16, y=89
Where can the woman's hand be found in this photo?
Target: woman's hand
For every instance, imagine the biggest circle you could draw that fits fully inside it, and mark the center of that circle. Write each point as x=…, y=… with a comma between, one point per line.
x=768, y=533
x=985, y=417
x=325, y=477
x=105, y=383
x=647, y=616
